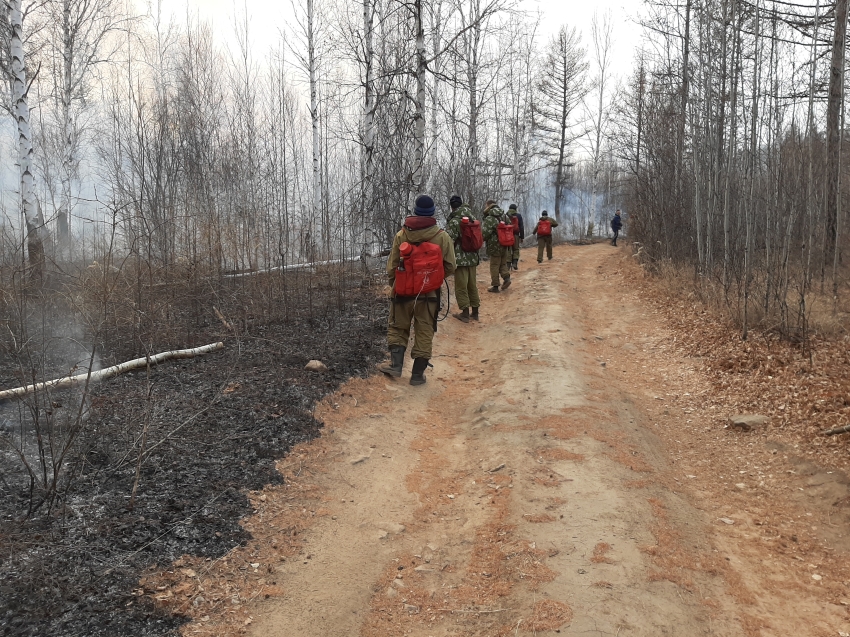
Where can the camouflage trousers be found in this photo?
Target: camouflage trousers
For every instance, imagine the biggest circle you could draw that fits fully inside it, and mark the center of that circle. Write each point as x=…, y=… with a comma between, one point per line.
x=500, y=266
x=420, y=314
x=466, y=287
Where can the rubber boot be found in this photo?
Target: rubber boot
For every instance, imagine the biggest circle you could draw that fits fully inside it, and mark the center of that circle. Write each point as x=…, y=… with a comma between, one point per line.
x=393, y=368
x=515, y=263
x=495, y=288
x=506, y=284
x=475, y=314
x=462, y=316
x=418, y=375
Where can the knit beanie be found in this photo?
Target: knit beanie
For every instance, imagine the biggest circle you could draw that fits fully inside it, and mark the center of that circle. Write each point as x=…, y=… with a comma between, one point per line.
x=455, y=202
x=512, y=206
x=424, y=206
x=545, y=214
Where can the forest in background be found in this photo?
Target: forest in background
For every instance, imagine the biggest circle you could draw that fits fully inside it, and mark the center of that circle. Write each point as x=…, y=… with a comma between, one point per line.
x=733, y=130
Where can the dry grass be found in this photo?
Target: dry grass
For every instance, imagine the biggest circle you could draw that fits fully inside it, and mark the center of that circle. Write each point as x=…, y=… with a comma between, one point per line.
x=548, y=615
x=600, y=554
x=557, y=453
x=622, y=452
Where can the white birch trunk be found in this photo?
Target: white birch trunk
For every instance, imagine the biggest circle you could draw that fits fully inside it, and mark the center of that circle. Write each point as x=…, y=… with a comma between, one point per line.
x=109, y=372
x=29, y=205
x=312, y=63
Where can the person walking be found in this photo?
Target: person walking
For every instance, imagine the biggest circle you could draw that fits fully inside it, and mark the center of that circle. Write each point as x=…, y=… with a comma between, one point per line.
x=421, y=257
x=519, y=234
x=465, y=231
x=495, y=230
x=616, y=224
x=543, y=230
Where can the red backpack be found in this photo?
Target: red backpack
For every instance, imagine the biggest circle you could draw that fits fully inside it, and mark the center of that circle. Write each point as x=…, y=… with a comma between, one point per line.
x=515, y=223
x=420, y=269
x=544, y=228
x=505, y=232
x=470, y=235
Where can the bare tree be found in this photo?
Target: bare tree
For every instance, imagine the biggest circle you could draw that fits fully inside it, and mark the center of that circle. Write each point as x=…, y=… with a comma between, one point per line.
x=561, y=87
x=601, y=34
x=80, y=30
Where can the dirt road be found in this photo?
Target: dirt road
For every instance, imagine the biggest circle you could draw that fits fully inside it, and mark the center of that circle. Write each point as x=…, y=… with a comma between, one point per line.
x=529, y=488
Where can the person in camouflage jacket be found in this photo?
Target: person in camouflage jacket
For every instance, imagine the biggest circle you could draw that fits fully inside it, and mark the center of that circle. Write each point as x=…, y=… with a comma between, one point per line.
x=466, y=281
x=500, y=256
x=519, y=236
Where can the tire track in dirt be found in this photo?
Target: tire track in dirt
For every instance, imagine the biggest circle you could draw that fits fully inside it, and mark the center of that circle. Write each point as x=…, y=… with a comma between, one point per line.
x=522, y=490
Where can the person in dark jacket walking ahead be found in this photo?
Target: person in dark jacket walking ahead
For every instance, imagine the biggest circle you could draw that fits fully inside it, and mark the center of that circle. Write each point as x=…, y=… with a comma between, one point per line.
x=466, y=277
x=543, y=230
x=499, y=254
x=519, y=234
x=616, y=224
x=417, y=310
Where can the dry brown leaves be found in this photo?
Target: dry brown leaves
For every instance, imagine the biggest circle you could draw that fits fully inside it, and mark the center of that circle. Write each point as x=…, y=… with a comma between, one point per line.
x=804, y=390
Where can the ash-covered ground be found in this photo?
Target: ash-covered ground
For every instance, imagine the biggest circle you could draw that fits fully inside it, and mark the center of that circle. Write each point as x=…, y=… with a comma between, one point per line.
x=216, y=425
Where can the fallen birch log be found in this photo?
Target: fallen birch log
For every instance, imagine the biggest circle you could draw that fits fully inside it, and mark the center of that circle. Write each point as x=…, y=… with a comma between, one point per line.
x=109, y=372
x=287, y=268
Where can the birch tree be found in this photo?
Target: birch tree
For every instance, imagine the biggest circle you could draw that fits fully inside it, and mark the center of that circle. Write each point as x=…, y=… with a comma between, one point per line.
x=310, y=34
x=31, y=213
x=79, y=33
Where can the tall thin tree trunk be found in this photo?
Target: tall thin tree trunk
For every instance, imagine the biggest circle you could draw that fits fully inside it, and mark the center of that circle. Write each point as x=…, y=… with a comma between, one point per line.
x=368, y=157
x=417, y=180
x=833, y=115
x=68, y=130
x=312, y=62
x=29, y=205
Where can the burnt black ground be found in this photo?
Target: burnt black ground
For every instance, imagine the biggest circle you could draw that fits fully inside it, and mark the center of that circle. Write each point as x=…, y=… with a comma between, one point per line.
x=73, y=573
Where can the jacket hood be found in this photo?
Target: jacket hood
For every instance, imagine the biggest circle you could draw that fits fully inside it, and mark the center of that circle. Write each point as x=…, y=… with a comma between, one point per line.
x=418, y=235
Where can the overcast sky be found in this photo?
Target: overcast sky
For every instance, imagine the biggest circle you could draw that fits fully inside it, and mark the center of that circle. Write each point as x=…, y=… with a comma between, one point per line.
x=268, y=18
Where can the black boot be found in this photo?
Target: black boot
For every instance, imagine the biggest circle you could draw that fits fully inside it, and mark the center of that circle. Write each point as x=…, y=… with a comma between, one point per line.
x=506, y=284
x=515, y=264
x=495, y=288
x=418, y=375
x=463, y=316
x=393, y=368
x=475, y=314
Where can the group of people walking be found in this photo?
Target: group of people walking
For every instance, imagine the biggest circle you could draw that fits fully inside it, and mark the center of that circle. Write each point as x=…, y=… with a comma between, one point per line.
x=422, y=256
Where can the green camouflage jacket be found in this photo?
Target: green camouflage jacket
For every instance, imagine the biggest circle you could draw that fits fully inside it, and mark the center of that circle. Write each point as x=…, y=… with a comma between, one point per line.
x=464, y=259
x=550, y=219
x=492, y=217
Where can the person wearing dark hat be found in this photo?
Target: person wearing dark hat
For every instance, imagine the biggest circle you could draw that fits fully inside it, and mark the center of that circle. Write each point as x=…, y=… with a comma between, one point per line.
x=418, y=311
x=543, y=230
x=466, y=273
x=519, y=234
x=616, y=224
x=499, y=254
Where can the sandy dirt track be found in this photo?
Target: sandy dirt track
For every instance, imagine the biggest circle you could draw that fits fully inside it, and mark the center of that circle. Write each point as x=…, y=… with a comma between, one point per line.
x=533, y=486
